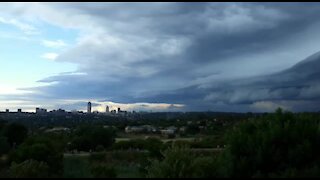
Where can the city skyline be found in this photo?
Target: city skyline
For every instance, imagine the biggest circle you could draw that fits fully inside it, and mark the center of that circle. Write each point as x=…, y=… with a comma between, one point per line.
x=230, y=57
x=89, y=109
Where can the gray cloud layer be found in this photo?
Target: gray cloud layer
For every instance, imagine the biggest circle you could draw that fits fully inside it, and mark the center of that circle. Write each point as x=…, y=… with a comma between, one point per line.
x=217, y=56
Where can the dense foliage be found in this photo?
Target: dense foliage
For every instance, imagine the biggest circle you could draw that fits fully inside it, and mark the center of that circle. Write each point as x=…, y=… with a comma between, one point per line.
x=181, y=162
x=15, y=133
x=42, y=149
x=29, y=169
x=152, y=145
x=277, y=145
x=89, y=138
x=280, y=144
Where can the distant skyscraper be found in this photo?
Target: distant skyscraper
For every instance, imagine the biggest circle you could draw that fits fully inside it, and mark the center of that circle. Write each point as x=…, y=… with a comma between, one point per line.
x=19, y=110
x=89, y=107
x=119, y=110
x=107, y=109
x=7, y=110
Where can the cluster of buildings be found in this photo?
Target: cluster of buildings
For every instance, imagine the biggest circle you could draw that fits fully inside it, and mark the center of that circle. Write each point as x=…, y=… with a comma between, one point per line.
x=119, y=111
x=89, y=111
x=41, y=110
x=18, y=111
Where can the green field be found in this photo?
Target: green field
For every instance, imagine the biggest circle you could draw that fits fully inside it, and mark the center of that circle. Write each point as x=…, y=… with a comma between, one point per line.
x=78, y=166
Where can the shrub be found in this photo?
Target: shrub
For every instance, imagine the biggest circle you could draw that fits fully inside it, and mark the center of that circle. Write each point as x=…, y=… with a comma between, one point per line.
x=29, y=169
x=4, y=146
x=176, y=164
x=279, y=144
x=41, y=149
x=99, y=156
x=15, y=133
x=89, y=137
x=99, y=148
x=103, y=171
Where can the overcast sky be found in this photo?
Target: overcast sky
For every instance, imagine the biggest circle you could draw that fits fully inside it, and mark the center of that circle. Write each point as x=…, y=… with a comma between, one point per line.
x=160, y=56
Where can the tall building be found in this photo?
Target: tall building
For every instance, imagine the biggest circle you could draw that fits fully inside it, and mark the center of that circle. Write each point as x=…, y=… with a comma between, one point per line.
x=119, y=109
x=7, y=110
x=19, y=110
x=107, y=109
x=89, y=107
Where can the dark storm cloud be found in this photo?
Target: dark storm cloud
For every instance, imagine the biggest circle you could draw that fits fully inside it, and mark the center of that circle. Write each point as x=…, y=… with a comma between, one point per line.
x=298, y=83
x=204, y=55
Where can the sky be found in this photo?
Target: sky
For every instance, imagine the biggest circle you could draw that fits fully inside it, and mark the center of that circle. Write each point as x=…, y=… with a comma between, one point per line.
x=231, y=57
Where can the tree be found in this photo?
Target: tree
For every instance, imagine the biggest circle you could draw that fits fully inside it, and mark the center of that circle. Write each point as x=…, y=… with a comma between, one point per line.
x=2, y=124
x=103, y=136
x=99, y=148
x=192, y=129
x=15, y=133
x=88, y=138
x=4, y=146
x=275, y=145
x=42, y=149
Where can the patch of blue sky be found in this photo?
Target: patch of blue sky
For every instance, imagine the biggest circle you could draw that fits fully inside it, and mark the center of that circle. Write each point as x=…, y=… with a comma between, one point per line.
x=52, y=32
x=20, y=58
x=9, y=31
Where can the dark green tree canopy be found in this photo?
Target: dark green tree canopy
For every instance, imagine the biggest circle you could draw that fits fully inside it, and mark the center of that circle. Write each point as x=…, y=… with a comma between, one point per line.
x=15, y=133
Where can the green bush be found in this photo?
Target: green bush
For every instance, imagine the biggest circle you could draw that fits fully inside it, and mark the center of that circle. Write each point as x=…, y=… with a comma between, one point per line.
x=4, y=146
x=99, y=148
x=98, y=156
x=153, y=145
x=103, y=171
x=42, y=149
x=87, y=138
x=76, y=167
x=131, y=144
x=15, y=133
x=206, y=167
x=29, y=169
x=279, y=144
x=181, y=162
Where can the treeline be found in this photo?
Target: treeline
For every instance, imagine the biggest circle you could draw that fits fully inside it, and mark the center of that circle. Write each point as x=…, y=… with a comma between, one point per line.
x=34, y=121
x=280, y=144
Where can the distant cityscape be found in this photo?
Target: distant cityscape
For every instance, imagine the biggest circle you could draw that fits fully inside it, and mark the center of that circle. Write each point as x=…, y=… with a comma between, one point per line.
x=89, y=111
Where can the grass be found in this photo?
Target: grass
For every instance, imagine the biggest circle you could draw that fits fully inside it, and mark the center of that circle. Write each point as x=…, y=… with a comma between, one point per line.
x=128, y=172
x=126, y=163
x=76, y=167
